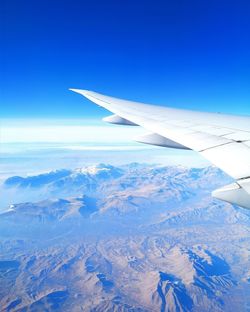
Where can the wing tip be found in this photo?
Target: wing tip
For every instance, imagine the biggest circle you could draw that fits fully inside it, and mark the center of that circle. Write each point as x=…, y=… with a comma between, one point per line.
x=80, y=91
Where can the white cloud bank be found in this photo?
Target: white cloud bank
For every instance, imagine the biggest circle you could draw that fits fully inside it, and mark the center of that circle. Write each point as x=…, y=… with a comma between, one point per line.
x=65, y=131
x=30, y=146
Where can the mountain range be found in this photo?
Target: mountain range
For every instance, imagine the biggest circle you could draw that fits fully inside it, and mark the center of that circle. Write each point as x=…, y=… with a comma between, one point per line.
x=137, y=237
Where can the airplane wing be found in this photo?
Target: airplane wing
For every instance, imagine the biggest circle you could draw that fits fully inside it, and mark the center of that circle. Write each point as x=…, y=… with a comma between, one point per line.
x=222, y=139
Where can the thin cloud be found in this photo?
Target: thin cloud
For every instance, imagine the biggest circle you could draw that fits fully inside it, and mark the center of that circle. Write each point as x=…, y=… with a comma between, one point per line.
x=58, y=132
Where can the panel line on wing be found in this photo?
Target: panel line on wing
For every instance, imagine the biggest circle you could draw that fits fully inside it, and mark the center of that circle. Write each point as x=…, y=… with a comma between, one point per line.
x=214, y=146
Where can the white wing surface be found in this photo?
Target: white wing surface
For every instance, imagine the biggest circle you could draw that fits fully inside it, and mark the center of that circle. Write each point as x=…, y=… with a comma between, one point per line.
x=222, y=139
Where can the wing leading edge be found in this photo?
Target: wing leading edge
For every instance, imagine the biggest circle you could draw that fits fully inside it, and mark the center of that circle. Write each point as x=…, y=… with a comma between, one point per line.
x=222, y=139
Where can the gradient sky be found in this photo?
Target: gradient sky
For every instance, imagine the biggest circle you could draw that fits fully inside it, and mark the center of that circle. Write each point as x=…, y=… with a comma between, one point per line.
x=192, y=54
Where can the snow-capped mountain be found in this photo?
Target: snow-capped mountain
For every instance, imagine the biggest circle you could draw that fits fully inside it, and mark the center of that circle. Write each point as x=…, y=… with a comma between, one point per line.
x=105, y=180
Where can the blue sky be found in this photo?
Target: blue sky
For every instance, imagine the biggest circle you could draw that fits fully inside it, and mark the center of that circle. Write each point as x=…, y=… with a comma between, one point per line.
x=191, y=54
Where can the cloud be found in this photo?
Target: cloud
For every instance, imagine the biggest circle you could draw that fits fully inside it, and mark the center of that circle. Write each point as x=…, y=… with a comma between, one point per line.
x=29, y=146
x=105, y=147
x=65, y=131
